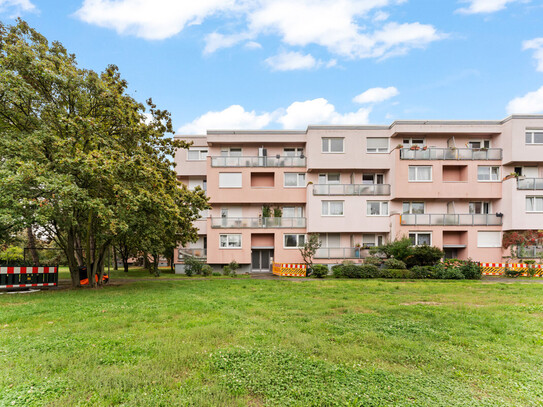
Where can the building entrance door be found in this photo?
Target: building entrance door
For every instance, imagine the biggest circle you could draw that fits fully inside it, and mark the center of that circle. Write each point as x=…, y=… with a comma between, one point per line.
x=260, y=259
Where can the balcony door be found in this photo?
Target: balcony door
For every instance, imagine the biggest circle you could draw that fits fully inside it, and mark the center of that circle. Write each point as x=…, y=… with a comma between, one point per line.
x=261, y=260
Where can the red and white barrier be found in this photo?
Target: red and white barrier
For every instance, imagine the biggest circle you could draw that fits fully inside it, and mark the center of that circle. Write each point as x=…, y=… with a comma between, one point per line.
x=26, y=277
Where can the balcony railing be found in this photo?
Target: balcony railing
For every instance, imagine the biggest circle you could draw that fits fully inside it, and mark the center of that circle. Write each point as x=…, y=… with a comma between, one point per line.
x=351, y=189
x=198, y=253
x=530, y=183
x=341, y=253
x=434, y=153
x=257, y=223
x=451, y=219
x=530, y=252
x=258, y=161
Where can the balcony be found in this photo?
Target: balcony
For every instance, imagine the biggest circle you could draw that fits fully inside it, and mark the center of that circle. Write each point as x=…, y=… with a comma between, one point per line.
x=198, y=253
x=434, y=153
x=258, y=223
x=529, y=252
x=351, y=189
x=450, y=219
x=341, y=253
x=530, y=184
x=258, y=161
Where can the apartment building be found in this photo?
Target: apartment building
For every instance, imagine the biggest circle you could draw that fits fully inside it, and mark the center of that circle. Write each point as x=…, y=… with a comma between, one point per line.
x=444, y=183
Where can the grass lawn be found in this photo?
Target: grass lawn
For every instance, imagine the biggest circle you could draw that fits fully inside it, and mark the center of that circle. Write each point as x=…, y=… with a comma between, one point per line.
x=266, y=342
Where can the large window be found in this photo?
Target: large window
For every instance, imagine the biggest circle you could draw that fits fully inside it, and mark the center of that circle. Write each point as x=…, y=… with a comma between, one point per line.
x=479, y=144
x=332, y=208
x=292, y=212
x=420, y=173
x=293, y=151
x=230, y=180
x=534, y=204
x=232, y=241
x=372, y=240
x=479, y=207
x=420, y=238
x=373, y=179
x=377, y=208
x=486, y=173
x=294, y=179
x=413, y=208
x=377, y=145
x=196, y=154
x=489, y=239
x=231, y=152
x=332, y=144
x=409, y=142
x=294, y=241
x=333, y=178
x=534, y=136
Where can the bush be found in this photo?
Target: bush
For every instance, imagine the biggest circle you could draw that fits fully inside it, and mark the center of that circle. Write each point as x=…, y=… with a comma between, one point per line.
x=363, y=271
x=424, y=256
x=452, y=274
x=337, y=271
x=216, y=274
x=376, y=261
x=206, y=270
x=394, y=264
x=395, y=273
x=471, y=270
x=424, y=272
x=320, y=270
x=230, y=269
x=512, y=272
x=193, y=265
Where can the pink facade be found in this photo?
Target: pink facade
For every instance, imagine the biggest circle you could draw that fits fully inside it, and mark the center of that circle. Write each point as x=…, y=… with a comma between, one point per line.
x=443, y=183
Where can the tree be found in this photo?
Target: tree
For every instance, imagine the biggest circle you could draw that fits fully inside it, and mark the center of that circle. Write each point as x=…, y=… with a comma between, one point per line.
x=81, y=159
x=308, y=250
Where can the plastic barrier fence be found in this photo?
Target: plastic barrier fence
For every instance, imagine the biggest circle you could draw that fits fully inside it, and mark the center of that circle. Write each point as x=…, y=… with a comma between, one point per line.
x=25, y=277
x=498, y=269
x=289, y=269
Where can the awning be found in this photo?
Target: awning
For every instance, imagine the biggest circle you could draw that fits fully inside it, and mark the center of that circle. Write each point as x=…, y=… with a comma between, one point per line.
x=454, y=246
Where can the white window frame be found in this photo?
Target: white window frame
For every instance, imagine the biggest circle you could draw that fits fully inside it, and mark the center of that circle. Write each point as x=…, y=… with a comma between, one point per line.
x=483, y=143
x=377, y=150
x=227, y=152
x=227, y=241
x=534, y=199
x=472, y=209
x=531, y=135
x=410, y=211
x=490, y=167
x=298, y=210
x=200, y=151
x=382, y=205
x=326, y=178
x=300, y=180
x=297, y=240
x=413, y=141
x=416, y=168
x=326, y=145
x=375, y=177
x=223, y=174
x=327, y=211
x=298, y=151
x=417, y=233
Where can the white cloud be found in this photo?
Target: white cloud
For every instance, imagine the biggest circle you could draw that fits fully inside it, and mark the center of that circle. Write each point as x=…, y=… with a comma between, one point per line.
x=375, y=95
x=233, y=117
x=485, y=6
x=289, y=61
x=253, y=45
x=16, y=6
x=530, y=103
x=537, y=45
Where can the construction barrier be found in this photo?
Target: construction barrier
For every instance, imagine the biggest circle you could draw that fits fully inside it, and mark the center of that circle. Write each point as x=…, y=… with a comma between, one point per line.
x=289, y=269
x=498, y=269
x=26, y=277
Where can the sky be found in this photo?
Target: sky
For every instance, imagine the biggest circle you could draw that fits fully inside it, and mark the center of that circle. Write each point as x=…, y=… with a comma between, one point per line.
x=287, y=64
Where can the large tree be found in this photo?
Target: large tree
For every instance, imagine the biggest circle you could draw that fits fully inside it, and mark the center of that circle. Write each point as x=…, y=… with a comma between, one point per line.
x=82, y=159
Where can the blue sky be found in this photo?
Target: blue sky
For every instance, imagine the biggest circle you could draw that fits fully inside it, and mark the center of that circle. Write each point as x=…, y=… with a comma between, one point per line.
x=275, y=64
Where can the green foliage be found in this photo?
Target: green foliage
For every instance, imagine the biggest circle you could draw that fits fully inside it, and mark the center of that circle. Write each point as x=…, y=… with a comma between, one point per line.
x=512, y=273
x=226, y=270
x=424, y=256
x=277, y=212
x=467, y=268
x=320, y=270
x=193, y=265
x=207, y=270
x=423, y=272
x=400, y=249
x=337, y=271
x=266, y=211
x=11, y=255
x=230, y=269
x=376, y=261
x=355, y=271
x=216, y=274
x=309, y=249
x=403, y=250
x=396, y=273
x=394, y=264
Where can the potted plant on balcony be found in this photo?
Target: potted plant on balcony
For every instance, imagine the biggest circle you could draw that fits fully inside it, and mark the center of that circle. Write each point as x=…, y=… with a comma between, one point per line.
x=415, y=147
x=512, y=175
x=357, y=250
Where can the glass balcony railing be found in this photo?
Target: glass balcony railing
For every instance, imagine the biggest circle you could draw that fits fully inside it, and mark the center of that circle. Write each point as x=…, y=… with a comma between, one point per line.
x=530, y=252
x=341, y=253
x=351, y=189
x=257, y=223
x=530, y=183
x=256, y=161
x=451, y=219
x=198, y=253
x=434, y=153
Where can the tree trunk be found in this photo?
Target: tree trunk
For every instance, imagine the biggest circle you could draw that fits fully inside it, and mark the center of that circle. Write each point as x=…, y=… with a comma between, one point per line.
x=115, y=267
x=156, y=271
x=32, y=246
x=73, y=262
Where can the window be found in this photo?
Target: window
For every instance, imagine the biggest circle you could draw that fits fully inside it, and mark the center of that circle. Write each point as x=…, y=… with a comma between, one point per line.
x=479, y=144
x=294, y=179
x=377, y=208
x=408, y=142
x=420, y=238
x=292, y=212
x=420, y=173
x=329, y=178
x=332, y=208
x=332, y=144
x=294, y=241
x=485, y=173
x=373, y=179
x=230, y=180
x=368, y=240
x=534, y=136
x=231, y=152
x=377, y=145
x=330, y=240
x=534, y=204
x=489, y=239
x=479, y=207
x=230, y=241
x=413, y=208
x=293, y=152
x=196, y=154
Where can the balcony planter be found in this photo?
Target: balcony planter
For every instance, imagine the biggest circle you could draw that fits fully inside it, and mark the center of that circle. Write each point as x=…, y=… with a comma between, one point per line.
x=512, y=175
x=415, y=148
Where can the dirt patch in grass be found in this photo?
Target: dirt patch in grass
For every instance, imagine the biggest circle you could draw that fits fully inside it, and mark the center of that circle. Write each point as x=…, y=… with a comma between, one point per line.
x=422, y=303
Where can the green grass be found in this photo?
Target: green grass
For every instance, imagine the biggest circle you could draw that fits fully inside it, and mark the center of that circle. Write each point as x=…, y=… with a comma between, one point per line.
x=258, y=342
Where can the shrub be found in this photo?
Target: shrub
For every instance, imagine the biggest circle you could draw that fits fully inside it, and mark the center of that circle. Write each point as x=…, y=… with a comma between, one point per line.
x=471, y=270
x=351, y=271
x=337, y=271
x=234, y=266
x=395, y=273
x=376, y=261
x=216, y=274
x=399, y=249
x=424, y=256
x=369, y=271
x=193, y=265
x=207, y=270
x=512, y=272
x=452, y=273
x=424, y=272
x=320, y=270
x=226, y=270
x=394, y=264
